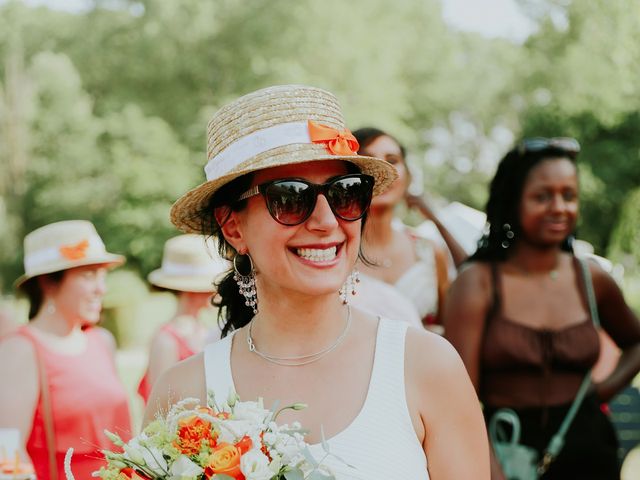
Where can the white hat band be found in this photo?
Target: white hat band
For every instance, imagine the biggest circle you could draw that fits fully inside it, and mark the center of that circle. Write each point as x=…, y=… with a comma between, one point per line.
x=181, y=269
x=45, y=256
x=254, y=144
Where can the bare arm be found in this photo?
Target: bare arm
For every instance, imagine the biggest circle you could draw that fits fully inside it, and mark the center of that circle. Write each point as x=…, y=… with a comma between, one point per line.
x=19, y=395
x=621, y=323
x=163, y=354
x=183, y=380
x=468, y=302
x=449, y=409
x=457, y=252
x=442, y=273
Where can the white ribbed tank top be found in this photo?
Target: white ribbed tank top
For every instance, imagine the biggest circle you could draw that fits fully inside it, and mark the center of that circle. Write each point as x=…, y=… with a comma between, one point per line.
x=380, y=443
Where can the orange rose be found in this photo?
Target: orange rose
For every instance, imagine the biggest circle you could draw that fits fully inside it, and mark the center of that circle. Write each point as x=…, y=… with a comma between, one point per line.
x=225, y=459
x=192, y=431
x=244, y=444
x=130, y=474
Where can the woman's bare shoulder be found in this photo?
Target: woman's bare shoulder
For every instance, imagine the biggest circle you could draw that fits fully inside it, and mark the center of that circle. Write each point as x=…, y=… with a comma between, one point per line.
x=435, y=370
x=185, y=379
x=17, y=349
x=431, y=355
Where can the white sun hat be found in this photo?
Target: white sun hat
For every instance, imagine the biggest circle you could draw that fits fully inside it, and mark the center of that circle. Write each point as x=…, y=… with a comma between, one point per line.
x=64, y=245
x=190, y=263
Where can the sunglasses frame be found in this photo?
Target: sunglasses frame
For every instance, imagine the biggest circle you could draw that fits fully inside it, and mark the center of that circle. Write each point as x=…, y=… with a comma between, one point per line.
x=568, y=145
x=317, y=188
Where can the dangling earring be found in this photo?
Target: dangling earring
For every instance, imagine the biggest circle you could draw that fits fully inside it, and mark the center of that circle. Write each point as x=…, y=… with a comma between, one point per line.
x=508, y=233
x=50, y=308
x=349, y=286
x=246, y=283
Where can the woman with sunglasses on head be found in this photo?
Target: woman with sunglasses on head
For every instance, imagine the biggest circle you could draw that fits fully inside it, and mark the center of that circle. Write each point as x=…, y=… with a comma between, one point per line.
x=286, y=196
x=59, y=383
x=416, y=266
x=523, y=314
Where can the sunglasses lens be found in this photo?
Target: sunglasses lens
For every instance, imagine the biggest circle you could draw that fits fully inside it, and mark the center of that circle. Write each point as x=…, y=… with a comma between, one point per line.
x=289, y=201
x=350, y=197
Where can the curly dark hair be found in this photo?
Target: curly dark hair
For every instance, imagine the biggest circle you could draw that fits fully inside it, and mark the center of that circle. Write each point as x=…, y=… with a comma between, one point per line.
x=505, y=193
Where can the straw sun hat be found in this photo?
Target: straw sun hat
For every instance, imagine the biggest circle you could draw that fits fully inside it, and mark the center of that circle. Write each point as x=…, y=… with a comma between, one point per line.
x=63, y=245
x=188, y=265
x=274, y=126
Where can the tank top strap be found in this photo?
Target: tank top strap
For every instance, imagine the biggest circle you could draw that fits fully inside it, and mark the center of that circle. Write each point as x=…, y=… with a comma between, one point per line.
x=387, y=375
x=496, y=290
x=24, y=332
x=217, y=367
x=184, y=349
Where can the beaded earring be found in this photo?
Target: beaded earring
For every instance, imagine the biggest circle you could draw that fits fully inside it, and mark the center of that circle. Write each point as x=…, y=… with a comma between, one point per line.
x=508, y=234
x=349, y=286
x=246, y=283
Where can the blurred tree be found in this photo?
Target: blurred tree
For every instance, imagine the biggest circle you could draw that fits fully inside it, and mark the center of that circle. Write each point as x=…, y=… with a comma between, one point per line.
x=114, y=99
x=121, y=172
x=625, y=247
x=580, y=79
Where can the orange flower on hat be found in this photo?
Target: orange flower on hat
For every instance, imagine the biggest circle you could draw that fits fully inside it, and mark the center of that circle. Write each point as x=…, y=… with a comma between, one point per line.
x=75, y=252
x=225, y=460
x=337, y=142
x=192, y=431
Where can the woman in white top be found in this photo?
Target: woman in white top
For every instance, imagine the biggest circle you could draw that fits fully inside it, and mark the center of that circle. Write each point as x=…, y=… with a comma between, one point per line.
x=416, y=266
x=285, y=196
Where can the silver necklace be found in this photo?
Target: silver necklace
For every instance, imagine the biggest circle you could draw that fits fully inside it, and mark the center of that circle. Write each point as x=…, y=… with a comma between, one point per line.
x=300, y=360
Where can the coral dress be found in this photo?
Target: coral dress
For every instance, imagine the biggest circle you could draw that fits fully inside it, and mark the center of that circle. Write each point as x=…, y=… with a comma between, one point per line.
x=87, y=397
x=184, y=351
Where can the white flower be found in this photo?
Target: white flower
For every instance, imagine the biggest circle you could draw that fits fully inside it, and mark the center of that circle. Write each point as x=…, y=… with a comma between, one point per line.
x=233, y=430
x=184, y=469
x=151, y=457
x=253, y=412
x=287, y=446
x=255, y=465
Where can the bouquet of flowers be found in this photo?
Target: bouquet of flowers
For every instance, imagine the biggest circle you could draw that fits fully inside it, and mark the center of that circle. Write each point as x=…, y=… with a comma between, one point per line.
x=234, y=441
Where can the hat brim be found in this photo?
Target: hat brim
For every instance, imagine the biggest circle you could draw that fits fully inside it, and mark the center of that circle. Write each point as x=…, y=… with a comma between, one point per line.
x=111, y=260
x=186, y=211
x=191, y=283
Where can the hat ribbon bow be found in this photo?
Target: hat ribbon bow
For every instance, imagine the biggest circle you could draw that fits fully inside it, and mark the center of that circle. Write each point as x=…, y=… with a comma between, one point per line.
x=337, y=142
x=75, y=252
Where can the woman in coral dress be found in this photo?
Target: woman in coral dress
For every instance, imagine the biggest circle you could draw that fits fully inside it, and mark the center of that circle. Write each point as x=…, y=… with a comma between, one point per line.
x=59, y=383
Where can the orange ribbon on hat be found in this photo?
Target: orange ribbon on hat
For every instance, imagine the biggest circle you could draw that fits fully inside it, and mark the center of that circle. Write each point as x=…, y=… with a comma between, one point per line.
x=337, y=142
x=75, y=252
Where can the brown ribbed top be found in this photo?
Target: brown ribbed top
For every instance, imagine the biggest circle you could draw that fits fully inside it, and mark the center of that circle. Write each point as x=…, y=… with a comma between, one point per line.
x=524, y=366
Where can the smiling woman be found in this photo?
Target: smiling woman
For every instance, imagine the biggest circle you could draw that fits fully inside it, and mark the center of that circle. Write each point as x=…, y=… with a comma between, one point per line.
x=65, y=390
x=287, y=206
x=524, y=313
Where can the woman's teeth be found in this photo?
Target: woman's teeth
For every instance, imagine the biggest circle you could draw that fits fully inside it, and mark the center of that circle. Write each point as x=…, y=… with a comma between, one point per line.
x=316, y=254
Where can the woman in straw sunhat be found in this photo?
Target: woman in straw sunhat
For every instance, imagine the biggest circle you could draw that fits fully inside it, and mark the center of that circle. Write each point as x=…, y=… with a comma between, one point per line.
x=59, y=383
x=285, y=196
x=189, y=270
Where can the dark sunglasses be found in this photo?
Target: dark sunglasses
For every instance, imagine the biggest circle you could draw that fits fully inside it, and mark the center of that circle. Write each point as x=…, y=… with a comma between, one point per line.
x=567, y=145
x=291, y=201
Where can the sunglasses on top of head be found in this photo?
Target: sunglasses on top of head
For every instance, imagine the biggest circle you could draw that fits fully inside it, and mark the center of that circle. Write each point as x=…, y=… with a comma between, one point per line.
x=567, y=145
x=290, y=201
